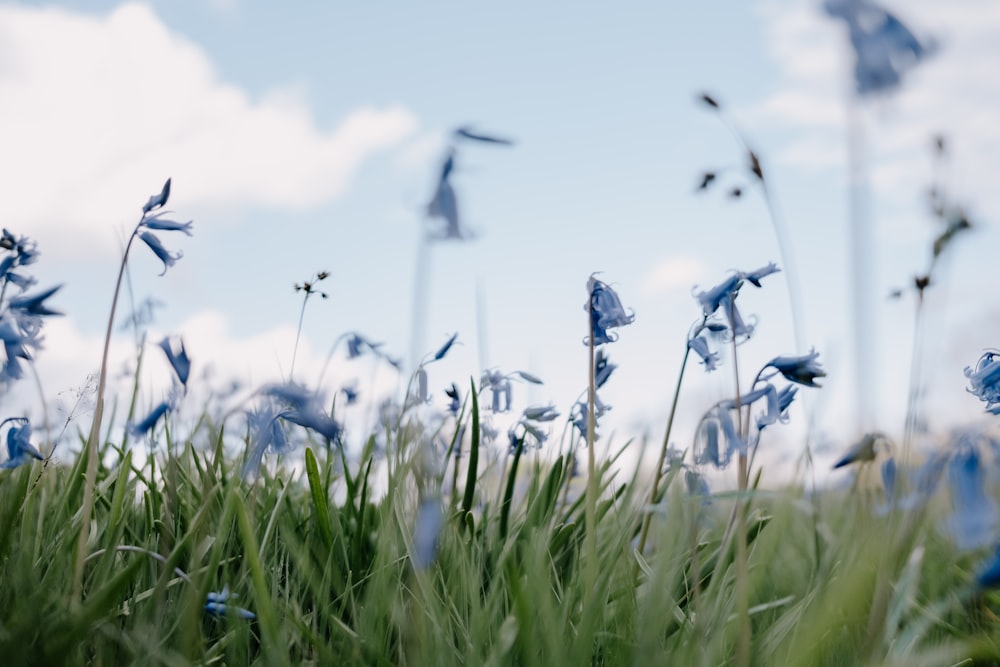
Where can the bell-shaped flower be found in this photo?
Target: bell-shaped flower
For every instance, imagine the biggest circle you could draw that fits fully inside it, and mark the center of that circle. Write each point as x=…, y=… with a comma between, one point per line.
x=157, y=200
x=985, y=380
x=217, y=604
x=160, y=223
x=304, y=408
x=165, y=256
x=34, y=305
x=178, y=359
x=19, y=447
x=144, y=426
x=802, y=369
x=710, y=359
x=973, y=522
x=606, y=311
x=884, y=48
x=603, y=368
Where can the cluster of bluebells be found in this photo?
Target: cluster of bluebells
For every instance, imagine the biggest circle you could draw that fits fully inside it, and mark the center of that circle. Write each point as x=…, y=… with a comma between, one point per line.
x=285, y=402
x=153, y=220
x=444, y=205
x=21, y=315
x=358, y=346
x=884, y=48
x=723, y=430
x=530, y=426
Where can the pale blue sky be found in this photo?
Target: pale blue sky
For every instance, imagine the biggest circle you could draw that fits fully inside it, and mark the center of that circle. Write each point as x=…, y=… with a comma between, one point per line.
x=309, y=139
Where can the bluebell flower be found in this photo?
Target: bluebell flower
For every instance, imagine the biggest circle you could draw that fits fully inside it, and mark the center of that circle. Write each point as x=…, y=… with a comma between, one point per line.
x=350, y=393
x=718, y=423
x=801, y=369
x=16, y=342
x=304, y=409
x=160, y=223
x=217, y=605
x=884, y=47
x=579, y=415
x=540, y=413
x=426, y=531
x=34, y=305
x=168, y=258
x=974, y=520
x=500, y=388
x=602, y=368
x=865, y=449
x=146, y=425
x=989, y=574
x=466, y=132
x=444, y=205
x=710, y=359
x=754, y=277
x=985, y=380
x=528, y=377
x=713, y=299
x=454, y=399
x=157, y=200
x=266, y=434
x=778, y=403
x=606, y=311
x=179, y=360
x=889, y=473
x=440, y=354
x=19, y=447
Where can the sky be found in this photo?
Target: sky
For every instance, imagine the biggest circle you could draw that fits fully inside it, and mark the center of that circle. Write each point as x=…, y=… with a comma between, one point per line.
x=310, y=139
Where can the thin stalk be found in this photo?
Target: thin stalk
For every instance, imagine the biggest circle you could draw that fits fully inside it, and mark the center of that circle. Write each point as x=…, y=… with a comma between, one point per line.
x=420, y=298
x=742, y=570
x=658, y=474
x=591, y=514
x=298, y=335
x=95, y=433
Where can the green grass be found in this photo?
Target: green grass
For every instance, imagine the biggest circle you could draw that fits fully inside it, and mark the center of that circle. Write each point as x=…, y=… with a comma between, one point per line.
x=324, y=561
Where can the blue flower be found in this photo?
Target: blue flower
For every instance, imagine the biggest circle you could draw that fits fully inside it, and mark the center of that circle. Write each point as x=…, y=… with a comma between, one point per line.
x=500, y=387
x=606, y=311
x=144, y=426
x=440, y=354
x=426, y=530
x=34, y=305
x=157, y=200
x=540, y=413
x=19, y=447
x=455, y=401
x=304, y=409
x=466, y=132
x=444, y=204
x=884, y=47
x=699, y=346
x=168, y=258
x=801, y=369
x=985, y=381
x=265, y=433
x=602, y=368
x=863, y=450
x=179, y=360
x=162, y=224
x=709, y=449
x=216, y=605
x=989, y=575
x=714, y=298
x=350, y=393
x=755, y=276
x=579, y=415
x=974, y=520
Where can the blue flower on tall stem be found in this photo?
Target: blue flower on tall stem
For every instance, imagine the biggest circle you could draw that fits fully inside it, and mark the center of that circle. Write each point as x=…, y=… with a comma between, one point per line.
x=606, y=311
x=19, y=447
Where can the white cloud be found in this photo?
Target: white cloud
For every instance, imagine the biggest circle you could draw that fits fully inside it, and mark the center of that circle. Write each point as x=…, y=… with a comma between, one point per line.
x=674, y=273
x=99, y=110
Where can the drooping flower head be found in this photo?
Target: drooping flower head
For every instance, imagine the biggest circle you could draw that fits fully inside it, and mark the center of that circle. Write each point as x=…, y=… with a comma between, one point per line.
x=178, y=358
x=606, y=311
x=884, y=48
x=801, y=369
x=985, y=380
x=19, y=447
x=158, y=223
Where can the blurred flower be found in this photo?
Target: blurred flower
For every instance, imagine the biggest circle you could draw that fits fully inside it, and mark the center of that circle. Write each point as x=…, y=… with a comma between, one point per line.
x=606, y=311
x=157, y=200
x=34, y=305
x=802, y=369
x=304, y=409
x=455, y=402
x=265, y=433
x=973, y=522
x=699, y=345
x=162, y=224
x=864, y=450
x=217, y=606
x=884, y=48
x=985, y=381
x=467, y=132
x=444, y=204
x=19, y=447
x=350, y=393
x=168, y=258
x=440, y=354
x=144, y=426
x=426, y=530
x=543, y=413
x=602, y=368
x=179, y=360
